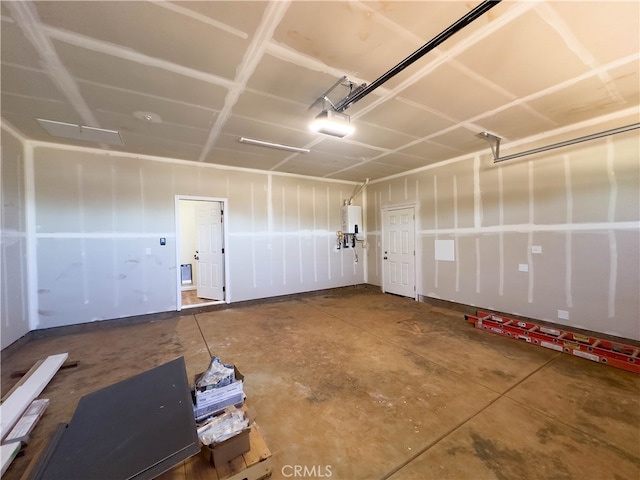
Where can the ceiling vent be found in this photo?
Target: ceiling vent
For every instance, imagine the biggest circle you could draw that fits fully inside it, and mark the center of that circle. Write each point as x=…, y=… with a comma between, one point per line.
x=80, y=132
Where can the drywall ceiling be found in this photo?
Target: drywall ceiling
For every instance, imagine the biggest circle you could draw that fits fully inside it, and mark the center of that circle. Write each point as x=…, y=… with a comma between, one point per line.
x=209, y=72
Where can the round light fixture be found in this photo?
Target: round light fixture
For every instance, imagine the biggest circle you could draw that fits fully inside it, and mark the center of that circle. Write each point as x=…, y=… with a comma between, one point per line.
x=148, y=117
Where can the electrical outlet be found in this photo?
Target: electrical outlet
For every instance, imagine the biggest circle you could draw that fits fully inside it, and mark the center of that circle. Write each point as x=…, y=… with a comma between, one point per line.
x=563, y=315
x=148, y=251
x=536, y=249
x=523, y=267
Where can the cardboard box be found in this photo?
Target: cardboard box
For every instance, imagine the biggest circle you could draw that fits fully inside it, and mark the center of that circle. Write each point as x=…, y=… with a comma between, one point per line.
x=231, y=448
x=227, y=450
x=212, y=401
x=210, y=410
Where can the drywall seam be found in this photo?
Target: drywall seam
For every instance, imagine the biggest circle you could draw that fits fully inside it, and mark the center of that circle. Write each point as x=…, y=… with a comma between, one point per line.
x=526, y=228
x=300, y=263
x=329, y=243
x=252, y=200
x=550, y=16
x=117, y=51
x=26, y=16
x=501, y=225
x=568, y=247
x=201, y=18
x=270, y=219
x=530, y=234
x=104, y=235
x=270, y=215
x=477, y=193
x=176, y=161
x=437, y=230
x=613, y=246
x=255, y=51
x=455, y=50
x=477, y=240
x=470, y=123
x=83, y=242
x=284, y=231
x=30, y=227
x=455, y=226
x=365, y=224
x=513, y=144
x=4, y=125
x=378, y=223
x=315, y=251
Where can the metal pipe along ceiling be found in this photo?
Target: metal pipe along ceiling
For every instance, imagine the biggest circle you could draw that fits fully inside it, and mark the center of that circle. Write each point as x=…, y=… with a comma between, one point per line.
x=360, y=93
x=593, y=136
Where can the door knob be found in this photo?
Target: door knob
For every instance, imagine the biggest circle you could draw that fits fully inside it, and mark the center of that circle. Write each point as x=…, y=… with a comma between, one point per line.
x=196, y=257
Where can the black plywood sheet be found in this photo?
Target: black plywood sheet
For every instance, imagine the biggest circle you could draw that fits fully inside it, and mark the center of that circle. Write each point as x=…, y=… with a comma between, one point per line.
x=137, y=428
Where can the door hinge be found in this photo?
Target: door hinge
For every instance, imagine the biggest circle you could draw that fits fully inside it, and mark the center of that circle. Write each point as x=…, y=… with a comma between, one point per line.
x=223, y=289
x=223, y=250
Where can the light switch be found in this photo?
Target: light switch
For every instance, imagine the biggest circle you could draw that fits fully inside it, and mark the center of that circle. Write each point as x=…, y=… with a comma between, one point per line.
x=523, y=267
x=536, y=249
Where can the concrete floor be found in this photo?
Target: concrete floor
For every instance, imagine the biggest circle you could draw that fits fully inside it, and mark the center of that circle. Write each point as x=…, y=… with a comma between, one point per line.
x=355, y=384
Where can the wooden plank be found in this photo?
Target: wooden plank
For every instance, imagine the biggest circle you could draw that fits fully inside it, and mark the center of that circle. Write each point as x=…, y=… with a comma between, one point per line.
x=255, y=464
x=176, y=473
x=15, y=405
x=259, y=450
x=8, y=452
x=199, y=467
x=257, y=471
x=65, y=365
x=22, y=380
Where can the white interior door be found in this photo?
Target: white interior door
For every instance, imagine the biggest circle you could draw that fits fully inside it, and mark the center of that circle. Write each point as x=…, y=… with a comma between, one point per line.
x=209, y=253
x=398, y=263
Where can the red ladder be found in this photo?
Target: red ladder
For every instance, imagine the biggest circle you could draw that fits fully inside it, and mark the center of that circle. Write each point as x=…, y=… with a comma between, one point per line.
x=619, y=355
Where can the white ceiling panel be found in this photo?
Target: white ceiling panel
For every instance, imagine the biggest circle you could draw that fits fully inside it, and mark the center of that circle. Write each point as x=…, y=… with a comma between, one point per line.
x=209, y=72
x=188, y=42
x=113, y=71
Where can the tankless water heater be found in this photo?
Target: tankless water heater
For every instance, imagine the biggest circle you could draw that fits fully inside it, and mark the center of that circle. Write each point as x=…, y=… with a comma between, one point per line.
x=351, y=219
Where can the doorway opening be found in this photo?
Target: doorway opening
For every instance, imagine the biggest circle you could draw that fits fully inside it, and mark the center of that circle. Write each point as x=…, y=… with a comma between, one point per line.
x=399, y=251
x=202, y=276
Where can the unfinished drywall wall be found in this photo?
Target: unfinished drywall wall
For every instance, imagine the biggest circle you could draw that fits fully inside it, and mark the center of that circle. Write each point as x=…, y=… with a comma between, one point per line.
x=99, y=219
x=554, y=236
x=13, y=278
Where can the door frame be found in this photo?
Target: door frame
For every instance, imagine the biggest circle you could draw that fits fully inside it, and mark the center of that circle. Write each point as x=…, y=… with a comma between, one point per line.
x=225, y=255
x=415, y=246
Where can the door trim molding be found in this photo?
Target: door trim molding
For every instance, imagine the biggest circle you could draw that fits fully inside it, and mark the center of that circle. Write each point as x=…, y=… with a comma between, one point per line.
x=415, y=245
x=225, y=255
